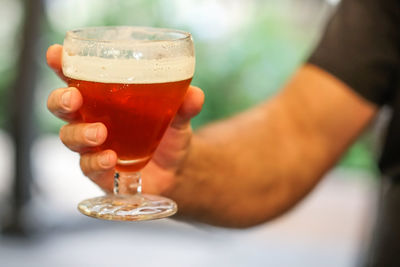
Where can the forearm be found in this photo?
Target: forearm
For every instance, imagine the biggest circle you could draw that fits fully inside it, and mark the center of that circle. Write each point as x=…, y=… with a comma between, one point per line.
x=220, y=182
x=254, y=166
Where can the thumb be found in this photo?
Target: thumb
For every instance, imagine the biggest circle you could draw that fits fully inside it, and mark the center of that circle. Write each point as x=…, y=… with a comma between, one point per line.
x=191, y=106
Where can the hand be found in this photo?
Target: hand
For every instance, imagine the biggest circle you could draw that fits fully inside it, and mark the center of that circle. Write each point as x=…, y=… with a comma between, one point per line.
x=159, y=173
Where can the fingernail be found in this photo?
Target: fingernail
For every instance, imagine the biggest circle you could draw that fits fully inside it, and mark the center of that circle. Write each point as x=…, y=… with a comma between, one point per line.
x=66, y=99
x=91, y=133
x=104, y=160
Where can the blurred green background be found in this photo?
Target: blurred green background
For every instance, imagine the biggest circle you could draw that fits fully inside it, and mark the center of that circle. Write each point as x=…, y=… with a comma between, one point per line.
x=245, y=50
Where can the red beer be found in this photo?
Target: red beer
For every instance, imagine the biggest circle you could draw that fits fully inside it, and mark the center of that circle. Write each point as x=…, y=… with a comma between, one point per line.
x=136, y=116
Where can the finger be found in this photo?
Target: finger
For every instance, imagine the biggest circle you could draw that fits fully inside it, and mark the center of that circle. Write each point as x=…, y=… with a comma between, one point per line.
x=54, y=57
x=191, y=106
x=65, y=103
x=99, y=167
x=80, y=136
x=173, y=146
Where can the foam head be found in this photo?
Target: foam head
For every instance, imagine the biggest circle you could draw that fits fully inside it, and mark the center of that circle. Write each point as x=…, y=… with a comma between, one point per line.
x=128, y=55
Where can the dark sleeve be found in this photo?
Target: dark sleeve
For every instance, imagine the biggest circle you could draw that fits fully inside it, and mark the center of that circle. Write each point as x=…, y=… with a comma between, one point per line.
x=361, y=47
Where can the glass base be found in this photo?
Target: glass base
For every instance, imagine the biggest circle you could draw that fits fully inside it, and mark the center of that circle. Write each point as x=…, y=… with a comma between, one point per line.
x=137, y=207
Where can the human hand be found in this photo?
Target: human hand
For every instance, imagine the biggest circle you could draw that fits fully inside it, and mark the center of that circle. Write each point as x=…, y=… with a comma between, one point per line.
x=159, y=174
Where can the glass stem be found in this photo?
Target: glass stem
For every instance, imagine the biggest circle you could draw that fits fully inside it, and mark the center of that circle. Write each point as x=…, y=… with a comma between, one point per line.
x=127, y=183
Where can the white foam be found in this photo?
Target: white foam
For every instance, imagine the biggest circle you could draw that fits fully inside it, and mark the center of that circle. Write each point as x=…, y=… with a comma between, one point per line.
x=127, y=71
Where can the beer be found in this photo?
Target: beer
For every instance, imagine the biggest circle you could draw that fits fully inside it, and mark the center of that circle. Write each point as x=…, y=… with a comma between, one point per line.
x=135, y=100
x=136, y=115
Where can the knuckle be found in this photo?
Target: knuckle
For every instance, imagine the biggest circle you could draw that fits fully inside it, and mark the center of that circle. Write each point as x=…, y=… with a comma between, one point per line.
x=74, y=136
x=92, y=163
x=69, y=137
x=62, y=133
x=89, y=164
x=49, y=101
x=77, y=134
x=83, y=163
x=54, y=101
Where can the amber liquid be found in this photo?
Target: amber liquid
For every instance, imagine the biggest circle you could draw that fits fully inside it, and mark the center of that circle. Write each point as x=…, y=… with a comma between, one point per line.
x=136, y=116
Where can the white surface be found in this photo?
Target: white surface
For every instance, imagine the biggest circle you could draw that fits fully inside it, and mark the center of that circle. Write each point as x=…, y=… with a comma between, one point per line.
x=326, y=229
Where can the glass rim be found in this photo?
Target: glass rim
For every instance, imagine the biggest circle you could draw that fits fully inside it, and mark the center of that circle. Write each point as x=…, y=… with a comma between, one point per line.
x=73, y=34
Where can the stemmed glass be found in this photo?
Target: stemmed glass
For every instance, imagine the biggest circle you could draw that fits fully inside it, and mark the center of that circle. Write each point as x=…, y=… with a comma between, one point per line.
x=133, y=80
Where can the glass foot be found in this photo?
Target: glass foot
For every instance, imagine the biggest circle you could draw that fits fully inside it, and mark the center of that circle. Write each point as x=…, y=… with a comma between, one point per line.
x=128, y=207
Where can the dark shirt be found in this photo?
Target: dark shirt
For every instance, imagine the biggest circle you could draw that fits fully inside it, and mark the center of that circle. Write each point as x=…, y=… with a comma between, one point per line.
x=361, y=47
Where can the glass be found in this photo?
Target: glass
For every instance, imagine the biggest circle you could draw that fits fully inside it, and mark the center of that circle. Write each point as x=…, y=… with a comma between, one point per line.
x=133, y=80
